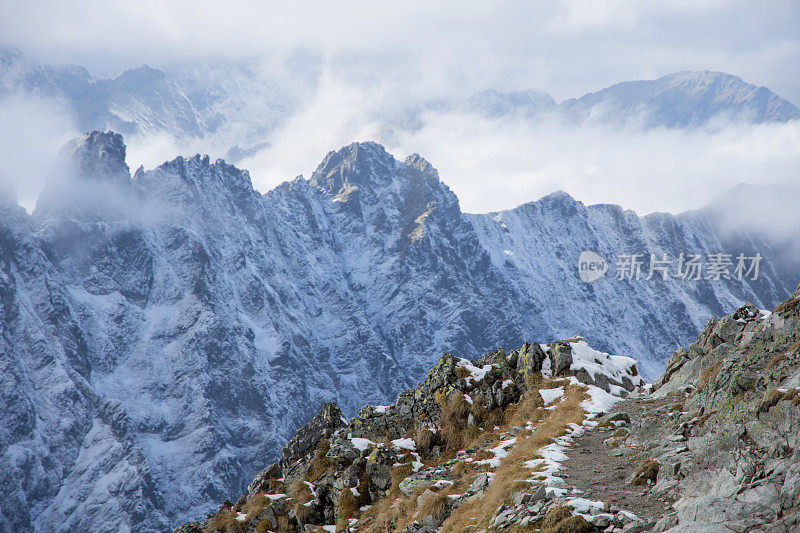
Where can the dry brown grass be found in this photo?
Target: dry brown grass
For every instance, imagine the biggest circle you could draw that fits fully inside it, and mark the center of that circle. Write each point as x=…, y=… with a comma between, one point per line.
x=647, y=472
x=512, y=474
x=254, y=506
x=384, y=515
x=573, y=524
x=770, y=400
x=348, y=504
x=454, y=418
x=534, y=380
x=320, y=465
x=775, y=361
x=300, y=493
x=463, y=372
x=709, y=374
x=433, y=504
x=283, y=526
x=556, y=515
x=275, y=486
x=463, y=469
x=425, y=440
x=392, y=514
x=528, y=409
x=226, y=521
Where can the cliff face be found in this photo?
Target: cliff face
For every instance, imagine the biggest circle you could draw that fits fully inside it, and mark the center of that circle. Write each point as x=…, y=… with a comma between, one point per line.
x=557, y=438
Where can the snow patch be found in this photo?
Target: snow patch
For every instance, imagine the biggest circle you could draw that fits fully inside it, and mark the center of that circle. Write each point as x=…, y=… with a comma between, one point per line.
x=361, y=444
x=551, y=395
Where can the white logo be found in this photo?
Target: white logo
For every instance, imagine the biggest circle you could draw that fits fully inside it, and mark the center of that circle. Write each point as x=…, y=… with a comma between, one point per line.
x=591, y=266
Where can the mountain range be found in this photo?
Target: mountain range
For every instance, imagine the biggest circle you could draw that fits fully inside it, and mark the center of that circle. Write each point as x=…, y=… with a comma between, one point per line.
x=163, y=334
x=235, y=108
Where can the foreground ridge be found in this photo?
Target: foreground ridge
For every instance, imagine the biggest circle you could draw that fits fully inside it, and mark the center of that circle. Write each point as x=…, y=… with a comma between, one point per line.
x=557, y=438
x=715, y=446
x=447, y=454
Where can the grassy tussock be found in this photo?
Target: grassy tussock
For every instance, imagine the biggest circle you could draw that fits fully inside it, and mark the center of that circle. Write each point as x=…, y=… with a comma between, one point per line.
x=647, y=472
x=512, y=475
x=425, y=440
x=557, y=514
x=283, y=525
x=225, y=520
x=392, y=514
x=709, y=374
x=320, y=465
x=463, y=372
x=775, y=361
x=454, y=419
x=432, y=504
x=770, y=400
x=573, y=524
x=300, y=493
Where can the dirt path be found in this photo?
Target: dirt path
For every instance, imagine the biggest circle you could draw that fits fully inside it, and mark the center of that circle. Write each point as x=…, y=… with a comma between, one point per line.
x=602, y=471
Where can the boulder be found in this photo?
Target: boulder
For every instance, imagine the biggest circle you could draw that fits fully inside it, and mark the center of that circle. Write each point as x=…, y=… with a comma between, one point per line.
x=560, y=357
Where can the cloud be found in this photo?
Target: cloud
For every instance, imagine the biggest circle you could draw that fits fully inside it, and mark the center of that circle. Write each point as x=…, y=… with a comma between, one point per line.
x=497, y=164
x=31, y=133
x=567, y=48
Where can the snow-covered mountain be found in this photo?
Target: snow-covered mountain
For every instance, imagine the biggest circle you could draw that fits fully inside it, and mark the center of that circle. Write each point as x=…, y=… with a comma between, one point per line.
x=683, y=99
x=227, y=105
x=164, y=334
x=680, y=100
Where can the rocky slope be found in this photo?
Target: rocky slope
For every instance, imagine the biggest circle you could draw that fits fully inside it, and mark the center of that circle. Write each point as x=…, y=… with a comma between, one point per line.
x=472, y=434
x=181, y=326
x=521, y=442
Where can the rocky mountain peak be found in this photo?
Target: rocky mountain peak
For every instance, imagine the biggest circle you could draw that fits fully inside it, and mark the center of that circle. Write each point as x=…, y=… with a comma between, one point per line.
x=360, y=164
x=682, y=99
x=422, y=165
x=99, y=155
x=92, y=183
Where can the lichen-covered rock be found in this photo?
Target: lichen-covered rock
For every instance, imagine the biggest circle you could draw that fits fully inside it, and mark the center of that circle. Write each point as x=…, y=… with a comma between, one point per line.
x=560, y=357
x=379, y=467
x=530, y=359
x=735, y=388
x=260, y=482
x=328, y=419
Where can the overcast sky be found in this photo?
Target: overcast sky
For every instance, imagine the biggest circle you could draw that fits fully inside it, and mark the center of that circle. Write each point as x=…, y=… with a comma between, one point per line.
x=370, y=51
x=566, y=48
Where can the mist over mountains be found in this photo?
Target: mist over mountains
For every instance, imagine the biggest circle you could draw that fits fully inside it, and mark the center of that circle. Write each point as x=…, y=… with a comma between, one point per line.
x=234, y=108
